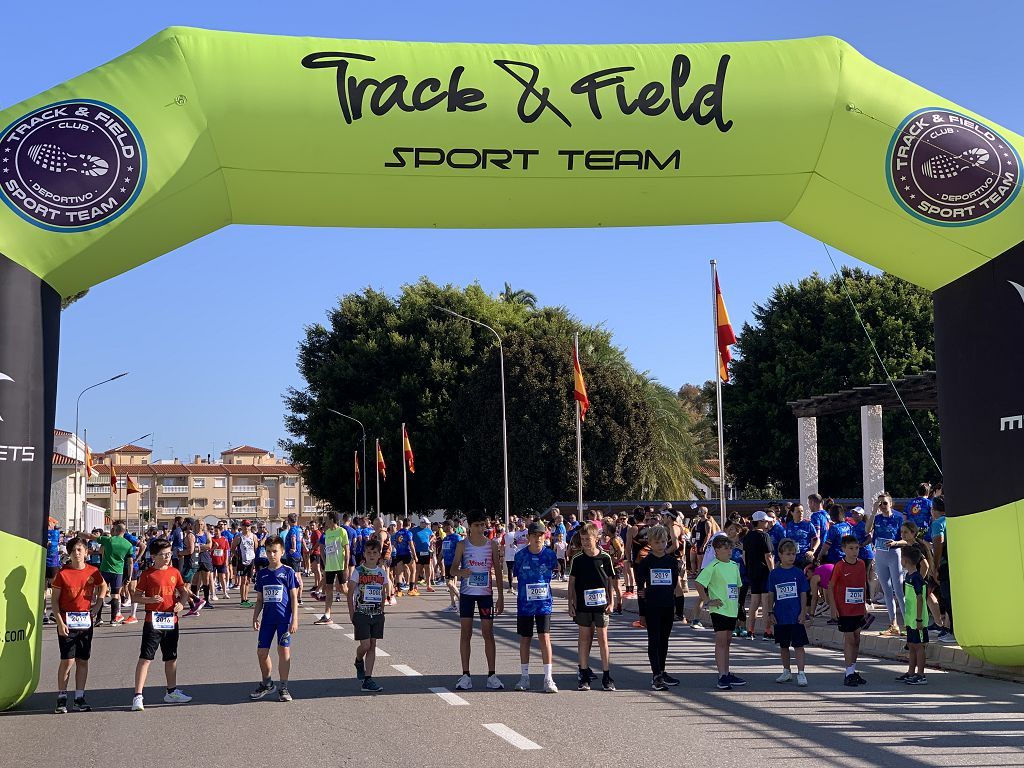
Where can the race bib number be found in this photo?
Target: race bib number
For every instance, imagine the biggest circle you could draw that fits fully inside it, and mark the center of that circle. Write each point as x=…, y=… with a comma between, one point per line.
x=373, y=593
x=332, y=547
x=786, y=591
x=594, y=598
x=218, y=553
x=535, y=592
x=882, y=545
x=854, y=595
x=734, y=592
x=79, y=619
x=661, y=577
x=273, y=593
x=479, y=579
x=163, y=620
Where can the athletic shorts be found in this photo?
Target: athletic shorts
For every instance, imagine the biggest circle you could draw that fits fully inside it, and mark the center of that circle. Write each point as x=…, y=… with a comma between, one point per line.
x=114, y=580
x=269, y=629
x=469, y=603
x=591, y=619
x=77, y=645
x=448, y=572
x=723, y=623
x=404, y=559
x=245, y=571
x=129, y=564
x=330, y=576
x=368, y=626
x=166, y=639
x=204, y=568
x=787, y=635
x=423, y=559
x=759, y=583
x=51, y=571
x=525, y=624
x=850, y=623
x=220, y=569
x=295, y=563
x=914, y=636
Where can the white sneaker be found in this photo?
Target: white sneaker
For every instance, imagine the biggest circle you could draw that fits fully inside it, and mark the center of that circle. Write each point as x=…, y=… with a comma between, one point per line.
x=549, y=686
x=177, y=696
x=137, y=704
x=785, y=677
x=494, y=683
x=801, y=679
x=523, y=684
x=465, y=683
x=214, y=598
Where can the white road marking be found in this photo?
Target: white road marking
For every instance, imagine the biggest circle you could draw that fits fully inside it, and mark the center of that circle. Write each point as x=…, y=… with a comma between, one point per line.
x=513, y=738
x=406, y=670
x=454, y=699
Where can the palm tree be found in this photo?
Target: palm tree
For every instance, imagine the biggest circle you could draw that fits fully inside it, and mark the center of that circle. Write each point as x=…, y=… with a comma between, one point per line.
x=523, y=297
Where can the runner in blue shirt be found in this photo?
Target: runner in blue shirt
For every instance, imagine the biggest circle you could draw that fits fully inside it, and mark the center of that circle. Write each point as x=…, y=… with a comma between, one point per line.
x=448, y=544
x=276, y=613
x=293, y=549
x=346, y=523
x=534, y=566
x=403, y=557
x=919, y=510
x=787, y=592
x=52, y=563
x=819, y=518
x=804, y=534
x=423, y=544
x=884, y=526
x=832, y=549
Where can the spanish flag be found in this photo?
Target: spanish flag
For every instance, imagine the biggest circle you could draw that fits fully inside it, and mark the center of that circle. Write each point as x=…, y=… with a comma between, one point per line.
x=381, y=466
x=407, y=446
x=132, y=487
x=579, y=386
x=89, y=469
x=113, y=479
x=726, y=337
x=358, y=476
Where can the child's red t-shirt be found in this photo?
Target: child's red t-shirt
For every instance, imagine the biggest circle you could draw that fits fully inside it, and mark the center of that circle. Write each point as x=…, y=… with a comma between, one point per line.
x=847, y=587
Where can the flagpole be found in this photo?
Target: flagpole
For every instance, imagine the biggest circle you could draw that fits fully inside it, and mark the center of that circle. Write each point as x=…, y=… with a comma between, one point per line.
x=405, y=484
x=377, y=459
x=355, y=483
x=718, y=395
x=579, y=450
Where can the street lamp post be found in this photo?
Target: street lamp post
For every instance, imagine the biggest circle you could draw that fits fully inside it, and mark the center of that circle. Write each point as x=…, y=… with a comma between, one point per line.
x=78, y=439
x=357, y=421
x=504, y=427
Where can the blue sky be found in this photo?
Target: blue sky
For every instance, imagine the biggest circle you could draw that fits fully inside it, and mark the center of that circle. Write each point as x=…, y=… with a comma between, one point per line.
x=210, y=359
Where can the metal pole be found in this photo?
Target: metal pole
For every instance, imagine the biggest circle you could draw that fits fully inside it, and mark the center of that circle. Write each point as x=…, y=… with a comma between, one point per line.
x=504, y=421
x=77, y=437
x=377, y=474
x=579, y=449
x=718, y=397
x=355, y=482
x=357, y=421
x=405, y=482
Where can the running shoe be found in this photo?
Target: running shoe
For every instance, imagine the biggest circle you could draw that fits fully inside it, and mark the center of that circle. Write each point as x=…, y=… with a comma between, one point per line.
x=453, y=608
x=137, y=705
x=917, y=680
x=948, y=637
x=657, y=684
x=801, y=679
x=494, y=683
x=261, y=690
x=99, y=623
x=743, y=632
x=617, y=611
x=414, y=592
x=767, y=636
x=214, y=598
x=202, y=604
x=868, y=621
x=430, y=589
x=734, y=680
x=850, y=681
x=697, y=624
x=370, y=686
x=360, y=666
x=904, y=677
x=549, y=686
x=892, y=631
x=523, y=684
x=582, y=681
x=785, y=677
x=81, y=705
x=131, y=620
x=325, y=619
x=464, y=683
x=247, y=604
x=723, y=683
x=607, y=683
x=62, y=706
x=933, y=627
x=46, y=620
x=860, y=680
x=177, y=696
x=667, y=679
x=282, y=694
x=118, y=620
x=821, y=609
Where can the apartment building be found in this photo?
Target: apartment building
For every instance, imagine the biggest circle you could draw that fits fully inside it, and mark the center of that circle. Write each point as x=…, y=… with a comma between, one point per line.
x=247, y=482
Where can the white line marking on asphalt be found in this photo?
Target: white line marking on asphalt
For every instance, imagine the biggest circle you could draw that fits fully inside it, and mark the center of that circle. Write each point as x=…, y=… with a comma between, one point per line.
x=454, y=699
x=513, y=738
x=406, y=670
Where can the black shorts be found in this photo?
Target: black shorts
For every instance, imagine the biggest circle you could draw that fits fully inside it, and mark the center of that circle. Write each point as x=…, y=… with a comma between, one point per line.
x=245, y=571
x=295, y=563
x=448, y=573
x=77, y=645
x=423, y=559
x=525, y=624
x=787, y=635
x=723, y=623
x=468, y=604
x=204, y=568
x=914, y=636
x=220, y=568
x=405, y=559
x=759, y=583
x=166, y=639
x=330, y=576
x=51, y=571
x=368, y=626
x=597, y=619
x=850, y=623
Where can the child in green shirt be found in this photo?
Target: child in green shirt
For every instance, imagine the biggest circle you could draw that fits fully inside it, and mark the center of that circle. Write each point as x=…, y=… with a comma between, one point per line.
x=719, y=588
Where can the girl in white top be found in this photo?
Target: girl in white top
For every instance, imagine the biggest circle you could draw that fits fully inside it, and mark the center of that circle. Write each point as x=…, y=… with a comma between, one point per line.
x=508, y=543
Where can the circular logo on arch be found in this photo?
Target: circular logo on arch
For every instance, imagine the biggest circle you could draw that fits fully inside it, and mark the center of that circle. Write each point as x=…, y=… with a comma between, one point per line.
x=949, y=169
x=71, y=166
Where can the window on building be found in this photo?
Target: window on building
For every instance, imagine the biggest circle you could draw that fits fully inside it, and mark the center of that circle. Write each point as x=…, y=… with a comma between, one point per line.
x=218, y=503
x=200, y=503
x=220, y=482
x=122, y=506
x=145, y=460
x=121, y=484
x=268, y=503
x=291, y=481
x=289, y=503
x=198, y=482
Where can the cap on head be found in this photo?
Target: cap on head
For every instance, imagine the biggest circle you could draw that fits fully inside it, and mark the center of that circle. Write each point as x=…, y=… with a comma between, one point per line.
x=537, y=528
x=759, y=516
x=424, y=521
x=246, y=522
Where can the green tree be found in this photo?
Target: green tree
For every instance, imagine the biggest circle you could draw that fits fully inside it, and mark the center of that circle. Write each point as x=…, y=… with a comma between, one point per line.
x=805, y=340
x=511, y=296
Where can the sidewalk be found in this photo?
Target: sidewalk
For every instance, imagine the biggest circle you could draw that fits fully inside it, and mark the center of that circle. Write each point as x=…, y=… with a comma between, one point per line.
x=938, y=655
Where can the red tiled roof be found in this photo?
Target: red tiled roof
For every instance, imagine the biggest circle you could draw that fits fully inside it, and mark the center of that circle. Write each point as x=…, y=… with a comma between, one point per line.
x=242, y=469
x=59, y=459
x=125, y=469
x=205, y=469
x=62, y=433
x=243, y=449
x=128, y=449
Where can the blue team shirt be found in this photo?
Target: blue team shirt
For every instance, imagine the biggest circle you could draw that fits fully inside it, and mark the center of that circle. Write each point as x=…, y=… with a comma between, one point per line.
x=352, y=537
x=534, y=573
x=776, y=533
x=922, y=518
x=737, y=557
x=421, y=540
x=177, y=540
x=53, y=548
x=277, y=601
x=801, y=533
x=786, y=584
x=867, y=549
x=403, y=542
x=835, y=541
x=887, y=528
x=937, y=528
x=293, y=542
x=229, y=536
x=820, y=520
x=451, y=541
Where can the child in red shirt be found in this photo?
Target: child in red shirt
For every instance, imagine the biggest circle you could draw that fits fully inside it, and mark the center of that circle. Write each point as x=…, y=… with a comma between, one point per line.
x=849, y=578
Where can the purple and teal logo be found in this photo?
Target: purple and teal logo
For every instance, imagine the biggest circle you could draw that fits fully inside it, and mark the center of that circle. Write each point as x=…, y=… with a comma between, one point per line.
x=951, y=170
x=71, y=166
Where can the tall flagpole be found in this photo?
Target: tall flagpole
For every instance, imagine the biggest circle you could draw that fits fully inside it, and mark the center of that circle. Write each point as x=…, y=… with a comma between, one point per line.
x=355, y=483
x=377, y=473
x=718, y=395
x=405, y=484
x=579, y=449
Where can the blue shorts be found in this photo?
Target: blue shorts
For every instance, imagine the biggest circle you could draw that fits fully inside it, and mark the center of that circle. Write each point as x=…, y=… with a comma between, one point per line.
x=267, y=632
x=114, y=580
x=468, y=604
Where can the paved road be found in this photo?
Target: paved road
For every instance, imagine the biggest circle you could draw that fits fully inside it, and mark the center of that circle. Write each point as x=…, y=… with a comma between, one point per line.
x=957, y=720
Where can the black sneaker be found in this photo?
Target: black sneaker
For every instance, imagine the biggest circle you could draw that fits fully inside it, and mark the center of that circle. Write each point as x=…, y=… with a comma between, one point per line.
x=607, y=683
x=733, y=680
x=723, y=683
x=904, y=677
x=850, y=681
x=657, y=684
x=667, y=679
x=918, y=680
x=62, y=706
x=860, y=680
x=81, y=705
x=360, y=669
x=767, y=637
x=261, y=690
x=583, y=680
x=282, y=694
x=370, y=685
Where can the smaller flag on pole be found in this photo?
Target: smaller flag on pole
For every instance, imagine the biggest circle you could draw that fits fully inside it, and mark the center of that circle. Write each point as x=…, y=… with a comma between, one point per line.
x=90, y=471
x=359, y=478
x=407, y=446
x=726, y=337
x=579, y=386
x=113, y=479
x=381, y=466
x=132, y=487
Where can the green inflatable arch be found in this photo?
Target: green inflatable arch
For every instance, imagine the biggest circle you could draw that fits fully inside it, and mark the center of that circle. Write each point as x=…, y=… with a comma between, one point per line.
x=194, y=130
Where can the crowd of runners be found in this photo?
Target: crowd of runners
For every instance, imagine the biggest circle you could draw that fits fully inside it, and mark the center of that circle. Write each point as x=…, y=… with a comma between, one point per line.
x=775, y=572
